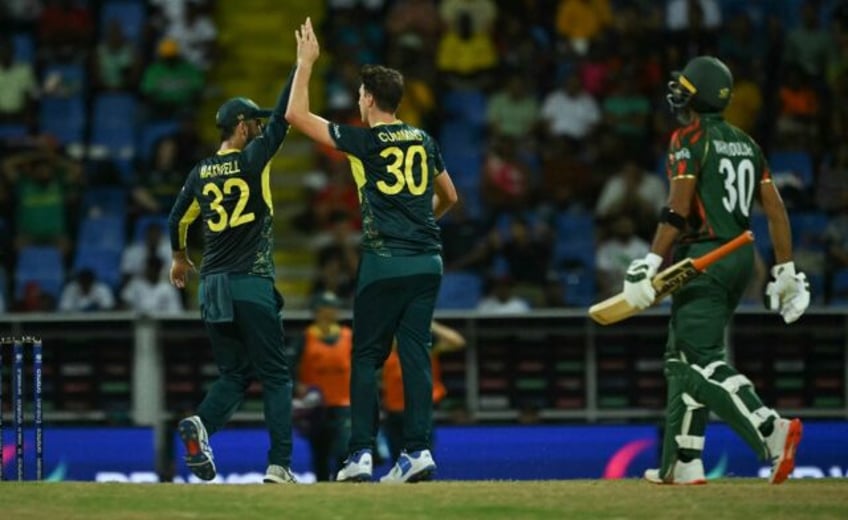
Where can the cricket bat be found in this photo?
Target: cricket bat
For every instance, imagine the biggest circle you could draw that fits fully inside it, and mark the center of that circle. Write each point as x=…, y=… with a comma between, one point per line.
x=616, y=308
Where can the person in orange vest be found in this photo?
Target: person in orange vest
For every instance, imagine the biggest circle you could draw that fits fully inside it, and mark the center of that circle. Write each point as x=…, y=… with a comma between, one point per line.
x=322, y=404
x=445, y=339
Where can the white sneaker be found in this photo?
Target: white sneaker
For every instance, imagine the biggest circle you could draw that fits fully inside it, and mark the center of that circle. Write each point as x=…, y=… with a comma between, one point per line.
x=685, y=474
x=198, y=455
x=782, y=443
x=276, y=474
x=411, y=467
x=357, y=468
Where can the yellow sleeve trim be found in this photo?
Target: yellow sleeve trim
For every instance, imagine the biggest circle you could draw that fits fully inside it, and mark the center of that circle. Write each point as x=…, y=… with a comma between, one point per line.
x=687, y=176
x=358, y=171
x=188, y=217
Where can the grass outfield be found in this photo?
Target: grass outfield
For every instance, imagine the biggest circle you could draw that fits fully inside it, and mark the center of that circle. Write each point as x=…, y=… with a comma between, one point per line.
x=728, y=498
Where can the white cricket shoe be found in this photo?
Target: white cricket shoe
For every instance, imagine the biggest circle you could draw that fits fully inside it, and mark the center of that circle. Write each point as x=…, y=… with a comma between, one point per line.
x=276, y=474
x=685, y=474
x=198, y=455
x=357, y=468
x=782, y=443
x=411, y=467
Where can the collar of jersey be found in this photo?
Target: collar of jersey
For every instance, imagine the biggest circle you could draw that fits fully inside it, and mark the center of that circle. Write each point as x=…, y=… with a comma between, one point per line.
x=395, y=122
x=228, y=151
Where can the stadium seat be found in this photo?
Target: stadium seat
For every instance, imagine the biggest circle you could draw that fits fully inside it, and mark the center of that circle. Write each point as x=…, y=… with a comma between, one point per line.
x=794, y=164
x=102, y=233
x=130, y=14
x=24, y=46
x=575, y=241
x=142, y=223
x=12, y=131
x=467, y=105
x=460, y=137
x=105, y=264
x=63, y=118
x=808, y=230
x=578, y=286
x=459, y=290
x=41, y=264
x=113, y=127
x=103, y=200
x=151, y=133
x=465, y=167
x=839, y=287
x=72, y=77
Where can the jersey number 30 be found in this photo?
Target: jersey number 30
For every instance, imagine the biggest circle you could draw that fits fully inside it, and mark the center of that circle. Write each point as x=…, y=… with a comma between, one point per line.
x=405, y=177
x=738, y=185
x=237, y=218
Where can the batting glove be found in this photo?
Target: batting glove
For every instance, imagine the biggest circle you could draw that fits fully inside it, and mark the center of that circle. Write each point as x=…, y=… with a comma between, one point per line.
x=789, y=293
x=638, y=290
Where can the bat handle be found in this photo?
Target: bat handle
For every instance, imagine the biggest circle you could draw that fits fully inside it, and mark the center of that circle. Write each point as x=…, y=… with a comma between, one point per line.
x=702, y=262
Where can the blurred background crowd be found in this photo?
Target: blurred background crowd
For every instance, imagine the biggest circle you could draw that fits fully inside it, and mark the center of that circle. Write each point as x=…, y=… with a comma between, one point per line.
x=551, y=117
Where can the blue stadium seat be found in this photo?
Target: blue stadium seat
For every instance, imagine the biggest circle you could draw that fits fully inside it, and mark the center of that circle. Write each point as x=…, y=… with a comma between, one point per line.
x=113, y=126
x=103, y=200
x=151, y=133
x=797, y=164
x=465, y=167
x=130, y=14
x=839, y=287
x=575, y=241
x=41, y=264
x=63, y=118
x=24, y=48
x=460, y=137
x=73, y=77
x=459, y=290
x=144, y=222
x=578, y=286
x=467, y=105
x=808, y=230
x=105, y=264
x=102, y=233
x=12, y=131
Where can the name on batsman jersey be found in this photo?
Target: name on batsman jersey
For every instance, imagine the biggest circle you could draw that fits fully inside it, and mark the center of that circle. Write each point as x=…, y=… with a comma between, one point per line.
x=729, y=167
x=231, y=193
x=394, y=166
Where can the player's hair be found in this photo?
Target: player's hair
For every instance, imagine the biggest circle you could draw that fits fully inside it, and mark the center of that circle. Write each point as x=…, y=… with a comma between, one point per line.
x=385, y=84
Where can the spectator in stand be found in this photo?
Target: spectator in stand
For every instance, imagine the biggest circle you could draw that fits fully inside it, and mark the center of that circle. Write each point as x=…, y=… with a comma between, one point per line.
x=742, y=44
x=86, y=294
x=832, y=182
x=800, y=106
x=415, y=19
x=571, y=115
x=150, y=293
x=836, y=236
x=137, y=255
x=159, y=185
x=581, y=21
x=338, y=260
x=171, y=84
x=196, y=34
x=679, y=13
x=513, y=112
x=116, y=63
x=18, y=88
x=693, y=27
x=34, y=300
x=808, y=45
x=466, y=52
x=633, y=192
x=501, y=300
x=615, y=253
x=746, y=104
x=45, y=185
x=506, y=181
x=627, y=112
x=65, y=29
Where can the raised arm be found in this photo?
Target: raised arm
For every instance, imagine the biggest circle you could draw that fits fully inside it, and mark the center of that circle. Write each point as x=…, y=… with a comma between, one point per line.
x=262, y=149
x=297, y=113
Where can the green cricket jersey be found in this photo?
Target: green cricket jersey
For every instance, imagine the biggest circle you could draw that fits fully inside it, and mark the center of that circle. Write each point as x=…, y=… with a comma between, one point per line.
x=394, y=166
x=728, y=165
x=231, y=193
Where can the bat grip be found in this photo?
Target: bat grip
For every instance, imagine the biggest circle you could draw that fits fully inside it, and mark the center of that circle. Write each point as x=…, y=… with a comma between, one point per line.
x=702, y=262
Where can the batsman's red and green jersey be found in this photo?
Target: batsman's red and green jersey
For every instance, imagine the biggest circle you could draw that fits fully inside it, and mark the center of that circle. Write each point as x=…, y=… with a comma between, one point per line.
x=231, y=192
x=394, y=166
x=729, y=167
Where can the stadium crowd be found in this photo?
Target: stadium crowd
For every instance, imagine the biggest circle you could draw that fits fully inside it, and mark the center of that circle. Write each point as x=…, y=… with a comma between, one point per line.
x=551, y=115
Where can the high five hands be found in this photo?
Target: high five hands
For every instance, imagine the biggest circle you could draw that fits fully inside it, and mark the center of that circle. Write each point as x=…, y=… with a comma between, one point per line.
x=308, y=49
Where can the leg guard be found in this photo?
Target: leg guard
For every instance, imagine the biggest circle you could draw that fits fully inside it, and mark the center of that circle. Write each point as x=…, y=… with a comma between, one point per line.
x=731, y=396
x=686, y=421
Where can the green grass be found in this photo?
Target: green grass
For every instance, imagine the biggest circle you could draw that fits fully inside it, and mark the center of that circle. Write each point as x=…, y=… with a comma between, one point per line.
x=728, y=498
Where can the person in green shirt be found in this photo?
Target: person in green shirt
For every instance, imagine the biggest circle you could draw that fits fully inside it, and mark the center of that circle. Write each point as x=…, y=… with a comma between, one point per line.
x=171, y=83
x=403, y=188
x=715, y=170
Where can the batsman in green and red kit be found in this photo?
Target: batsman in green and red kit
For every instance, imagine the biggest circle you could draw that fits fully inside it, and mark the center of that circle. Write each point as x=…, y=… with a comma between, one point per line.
x=716, y=171
x=241, y=309
x=403, y=188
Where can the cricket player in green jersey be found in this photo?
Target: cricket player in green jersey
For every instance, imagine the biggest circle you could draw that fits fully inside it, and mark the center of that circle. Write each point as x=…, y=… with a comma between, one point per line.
x=230, y=191
x=403, y=188
x=715, y=170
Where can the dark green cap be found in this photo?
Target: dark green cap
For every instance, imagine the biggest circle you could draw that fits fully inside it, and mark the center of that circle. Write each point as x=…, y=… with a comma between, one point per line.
x=708, y=81
x=238, y=109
